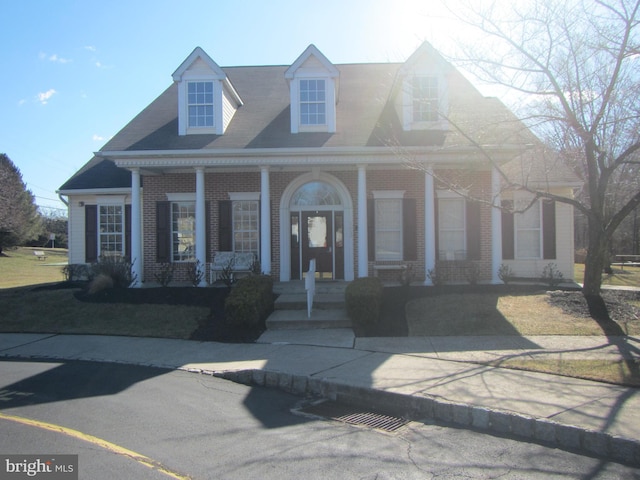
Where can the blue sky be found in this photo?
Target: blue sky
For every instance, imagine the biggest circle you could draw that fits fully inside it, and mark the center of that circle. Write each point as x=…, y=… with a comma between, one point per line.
x=76, y=71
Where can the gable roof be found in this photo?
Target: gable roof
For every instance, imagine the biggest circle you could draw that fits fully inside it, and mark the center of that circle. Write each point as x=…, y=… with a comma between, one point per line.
x=198, y=53
x=311, y=51
x=366, y=115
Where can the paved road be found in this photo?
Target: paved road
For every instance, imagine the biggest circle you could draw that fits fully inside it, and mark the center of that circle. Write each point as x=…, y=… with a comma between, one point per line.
x=196, y=426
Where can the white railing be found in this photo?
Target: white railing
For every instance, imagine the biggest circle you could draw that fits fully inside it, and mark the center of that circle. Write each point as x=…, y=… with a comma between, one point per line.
x=310, y=285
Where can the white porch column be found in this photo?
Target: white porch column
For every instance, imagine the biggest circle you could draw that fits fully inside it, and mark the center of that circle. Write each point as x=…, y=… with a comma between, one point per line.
x=363, y=243
x=496, y=226
x=265, y=222
x=136, y=229
x=201, y=227
x=429, y=225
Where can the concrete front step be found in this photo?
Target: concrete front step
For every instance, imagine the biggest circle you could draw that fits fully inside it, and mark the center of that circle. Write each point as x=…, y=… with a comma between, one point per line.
x=297, y=286
x=297, y=319
x=298, y=301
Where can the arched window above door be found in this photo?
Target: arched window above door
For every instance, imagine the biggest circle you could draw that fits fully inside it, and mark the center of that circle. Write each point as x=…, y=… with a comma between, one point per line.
x=315, y=194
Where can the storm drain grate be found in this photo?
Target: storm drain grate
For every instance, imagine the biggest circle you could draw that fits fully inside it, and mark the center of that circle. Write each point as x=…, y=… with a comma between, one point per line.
x=355, y=416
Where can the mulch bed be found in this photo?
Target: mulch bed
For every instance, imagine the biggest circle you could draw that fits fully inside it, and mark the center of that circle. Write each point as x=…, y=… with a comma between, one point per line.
x=213, y=328
x=616, y=302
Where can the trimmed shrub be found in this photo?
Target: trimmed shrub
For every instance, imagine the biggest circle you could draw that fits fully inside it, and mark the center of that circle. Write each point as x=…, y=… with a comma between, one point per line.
x=119, y=269
x=100, y=283
x=165, y=276
x=250, y=301
x=196, y=273
x=505, y=273
x=363, y=298
x=551, y=275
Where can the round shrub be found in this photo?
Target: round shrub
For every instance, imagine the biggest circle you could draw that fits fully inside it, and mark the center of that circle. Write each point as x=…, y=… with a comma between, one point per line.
x=250, y=301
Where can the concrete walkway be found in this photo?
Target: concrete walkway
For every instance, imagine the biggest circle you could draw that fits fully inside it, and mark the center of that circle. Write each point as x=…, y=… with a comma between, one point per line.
x=422, y=377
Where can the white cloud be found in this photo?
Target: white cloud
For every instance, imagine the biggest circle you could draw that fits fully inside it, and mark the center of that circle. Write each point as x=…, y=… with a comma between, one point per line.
x=53, y=58
x=102, y=66
x=57, y=59
x=97, y=138
x=90, y=48
x=43, y=97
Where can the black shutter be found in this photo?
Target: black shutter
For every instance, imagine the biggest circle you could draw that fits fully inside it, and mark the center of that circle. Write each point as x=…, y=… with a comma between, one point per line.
x=207, y=223
x=225, y=226
x=436, y=227
x=508, y=231
x=163, y=232
x=549, y=230
x=473, y=230
x=260, y=227
x=127, y=234
x=91, y=233
x=371, y=229
x=409, y=234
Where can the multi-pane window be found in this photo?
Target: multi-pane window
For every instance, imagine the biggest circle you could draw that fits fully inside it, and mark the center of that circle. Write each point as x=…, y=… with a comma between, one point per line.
x=183, y=231
x=200, y=104
x=312, y=102
x=388, y=222
x=528, y=230
x=425, y=99
x=245, y=226
x=111, y=228
x=452, y=229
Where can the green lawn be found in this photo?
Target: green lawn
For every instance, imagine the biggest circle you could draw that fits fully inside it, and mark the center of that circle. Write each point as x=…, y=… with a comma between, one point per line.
x=23, y=309
x=59, y=311
x=20, y=267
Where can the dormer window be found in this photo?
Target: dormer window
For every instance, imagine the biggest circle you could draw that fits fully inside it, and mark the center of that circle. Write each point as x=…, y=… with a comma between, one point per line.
x=425, y=99
x=313, y=86
x=200, y=104
x=206, y=99
x=313, y=109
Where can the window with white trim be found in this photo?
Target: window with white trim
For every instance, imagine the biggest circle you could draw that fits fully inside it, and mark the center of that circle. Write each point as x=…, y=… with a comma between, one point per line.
x=246, y=231
x=111, y=230
x=452, y=228
x=200, y=104
x=183, y=231
x=425, y=99
x=528, y=228
x=388, y=231
x=313, y=106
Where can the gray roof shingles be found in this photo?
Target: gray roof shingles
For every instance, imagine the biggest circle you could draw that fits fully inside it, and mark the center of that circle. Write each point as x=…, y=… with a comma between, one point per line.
x=365, y=117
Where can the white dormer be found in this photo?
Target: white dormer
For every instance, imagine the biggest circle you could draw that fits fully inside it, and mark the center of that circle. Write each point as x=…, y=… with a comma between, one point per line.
x=423, y=103
x=206, y=99
x=313, y=86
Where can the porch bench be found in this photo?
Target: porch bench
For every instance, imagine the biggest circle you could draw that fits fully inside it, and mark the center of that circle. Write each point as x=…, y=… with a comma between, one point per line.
x=240, y=263
x=399, y=267
x=40, y=255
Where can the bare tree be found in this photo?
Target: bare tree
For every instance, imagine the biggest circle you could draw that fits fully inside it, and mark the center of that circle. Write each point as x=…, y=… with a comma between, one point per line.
x=576, y=65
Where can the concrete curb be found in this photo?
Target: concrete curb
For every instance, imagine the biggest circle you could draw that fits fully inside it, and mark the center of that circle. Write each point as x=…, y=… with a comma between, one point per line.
x=413, y=407
x=501, y=422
